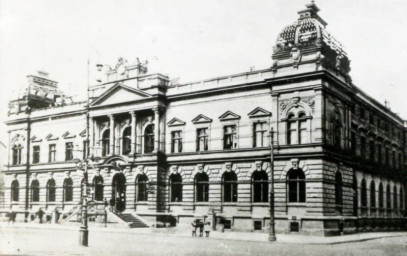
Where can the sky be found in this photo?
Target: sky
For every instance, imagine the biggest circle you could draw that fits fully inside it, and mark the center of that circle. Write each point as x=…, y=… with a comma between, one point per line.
x=191, y=40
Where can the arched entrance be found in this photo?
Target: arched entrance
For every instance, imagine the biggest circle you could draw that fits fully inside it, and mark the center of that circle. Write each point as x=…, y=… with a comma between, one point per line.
x=119, y=191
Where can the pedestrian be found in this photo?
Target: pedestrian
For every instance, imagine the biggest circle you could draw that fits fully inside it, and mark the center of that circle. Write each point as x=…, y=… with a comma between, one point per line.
x=201, y=228
x=106, y=209
x=207, y=228
x=111, y=202
x=193, y=224
x=11, y=216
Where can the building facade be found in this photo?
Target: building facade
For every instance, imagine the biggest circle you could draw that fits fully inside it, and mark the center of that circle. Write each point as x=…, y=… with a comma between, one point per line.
x=171, y=152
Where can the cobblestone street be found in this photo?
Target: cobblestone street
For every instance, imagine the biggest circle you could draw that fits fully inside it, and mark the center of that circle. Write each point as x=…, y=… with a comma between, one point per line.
x=32, y=241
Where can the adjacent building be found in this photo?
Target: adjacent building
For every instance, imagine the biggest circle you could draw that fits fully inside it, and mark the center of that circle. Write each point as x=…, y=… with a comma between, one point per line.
x=169, y=152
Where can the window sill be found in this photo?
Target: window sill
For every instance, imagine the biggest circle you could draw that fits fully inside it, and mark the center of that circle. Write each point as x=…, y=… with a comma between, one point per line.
x=201, y=203
x=141, y=203
x=175, y=204
x=297, y=204
x=260, y=204
x=229, y=204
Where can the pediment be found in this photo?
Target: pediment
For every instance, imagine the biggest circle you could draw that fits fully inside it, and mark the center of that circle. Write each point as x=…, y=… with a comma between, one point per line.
x=119, y=94
x=259, y=112
x=83, y=133
x=51, y=137
x=35, y=139
x=201, y=119
x=68, y=135
x=175, y=122
x=229, y=115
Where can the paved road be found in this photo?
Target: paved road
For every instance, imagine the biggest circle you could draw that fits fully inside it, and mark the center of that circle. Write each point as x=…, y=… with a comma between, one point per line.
x=31, y=241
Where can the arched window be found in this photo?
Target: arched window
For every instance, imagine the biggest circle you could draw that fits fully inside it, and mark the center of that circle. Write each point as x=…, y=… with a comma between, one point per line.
x=35, y=191
x=176, y=187
x=355, y=195
x=106, y=143
x=260, y=187
x=98, y=188
x=229, y=185
x=401, y=199
x=296, y=186
x=17, y=154
x=395, y=202
x=297, y=129
x=381, y=196
x=126, y=141
x=51, y=190
x=364, y=193
x=141, y=188
x=201, y=187
x=15, y=191
x=388, y=197
x=338, y=189
x=68, y=190
x=372, y=195
x=149, y=139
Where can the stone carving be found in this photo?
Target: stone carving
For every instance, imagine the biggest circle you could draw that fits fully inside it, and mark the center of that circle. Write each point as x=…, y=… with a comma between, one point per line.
x=296, y=57
x=307, y=103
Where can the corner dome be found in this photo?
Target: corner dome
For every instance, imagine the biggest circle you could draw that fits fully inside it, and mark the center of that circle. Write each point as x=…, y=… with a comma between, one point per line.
x=308, y=34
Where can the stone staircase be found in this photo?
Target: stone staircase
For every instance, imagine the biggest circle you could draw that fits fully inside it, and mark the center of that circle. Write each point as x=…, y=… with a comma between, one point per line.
x=133, y=221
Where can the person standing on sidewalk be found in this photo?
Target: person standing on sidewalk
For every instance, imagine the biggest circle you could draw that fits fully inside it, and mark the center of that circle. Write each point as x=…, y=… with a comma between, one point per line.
x=193, y=224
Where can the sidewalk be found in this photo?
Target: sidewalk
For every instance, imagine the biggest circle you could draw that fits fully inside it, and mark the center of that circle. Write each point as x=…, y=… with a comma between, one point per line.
x=239, y=236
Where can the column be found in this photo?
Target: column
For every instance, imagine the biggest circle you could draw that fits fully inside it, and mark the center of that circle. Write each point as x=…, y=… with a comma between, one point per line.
x=139, y=138
x=111, y=136
x=156, y=129
x=91, y=133
x=133, y=132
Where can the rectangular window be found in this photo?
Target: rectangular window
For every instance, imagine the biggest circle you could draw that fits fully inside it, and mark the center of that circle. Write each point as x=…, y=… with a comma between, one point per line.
x=400, y=161
x=386, y=156
x=52, y=153
x=362, y=113
x=176, y=142
x=379, y=153
x=303, y=138
x=202, y=139
x=393, y=159
x=372, y=150
x=363, y=147
x=17, y=154
x=257, y=224
x=292, y=137
x=353, y=142
x=229, y=137
x=68, y=151
x=259, y=134
x=36, y=154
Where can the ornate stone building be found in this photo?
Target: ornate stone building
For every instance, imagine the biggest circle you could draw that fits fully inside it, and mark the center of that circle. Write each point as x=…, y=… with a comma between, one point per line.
x=172, y=152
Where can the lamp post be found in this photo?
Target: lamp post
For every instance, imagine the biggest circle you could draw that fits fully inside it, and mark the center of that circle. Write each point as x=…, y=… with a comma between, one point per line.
x=272, y=234
x=83, y=162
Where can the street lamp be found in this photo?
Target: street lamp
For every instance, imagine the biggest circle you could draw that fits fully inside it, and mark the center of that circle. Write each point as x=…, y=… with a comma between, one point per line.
x=83, y=162
x=272, y=234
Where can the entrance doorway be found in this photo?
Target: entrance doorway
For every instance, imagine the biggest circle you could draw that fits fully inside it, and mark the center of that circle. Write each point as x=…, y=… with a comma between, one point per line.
x=119, y=192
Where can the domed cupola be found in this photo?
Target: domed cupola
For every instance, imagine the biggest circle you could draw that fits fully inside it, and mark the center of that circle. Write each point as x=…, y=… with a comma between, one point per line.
x=307, y=36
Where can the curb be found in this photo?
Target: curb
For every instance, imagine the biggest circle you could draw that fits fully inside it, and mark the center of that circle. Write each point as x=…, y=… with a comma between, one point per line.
x=295, y=239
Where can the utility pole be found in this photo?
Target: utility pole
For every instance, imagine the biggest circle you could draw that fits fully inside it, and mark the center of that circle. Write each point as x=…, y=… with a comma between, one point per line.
x=27, y=160
x=272, y=234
